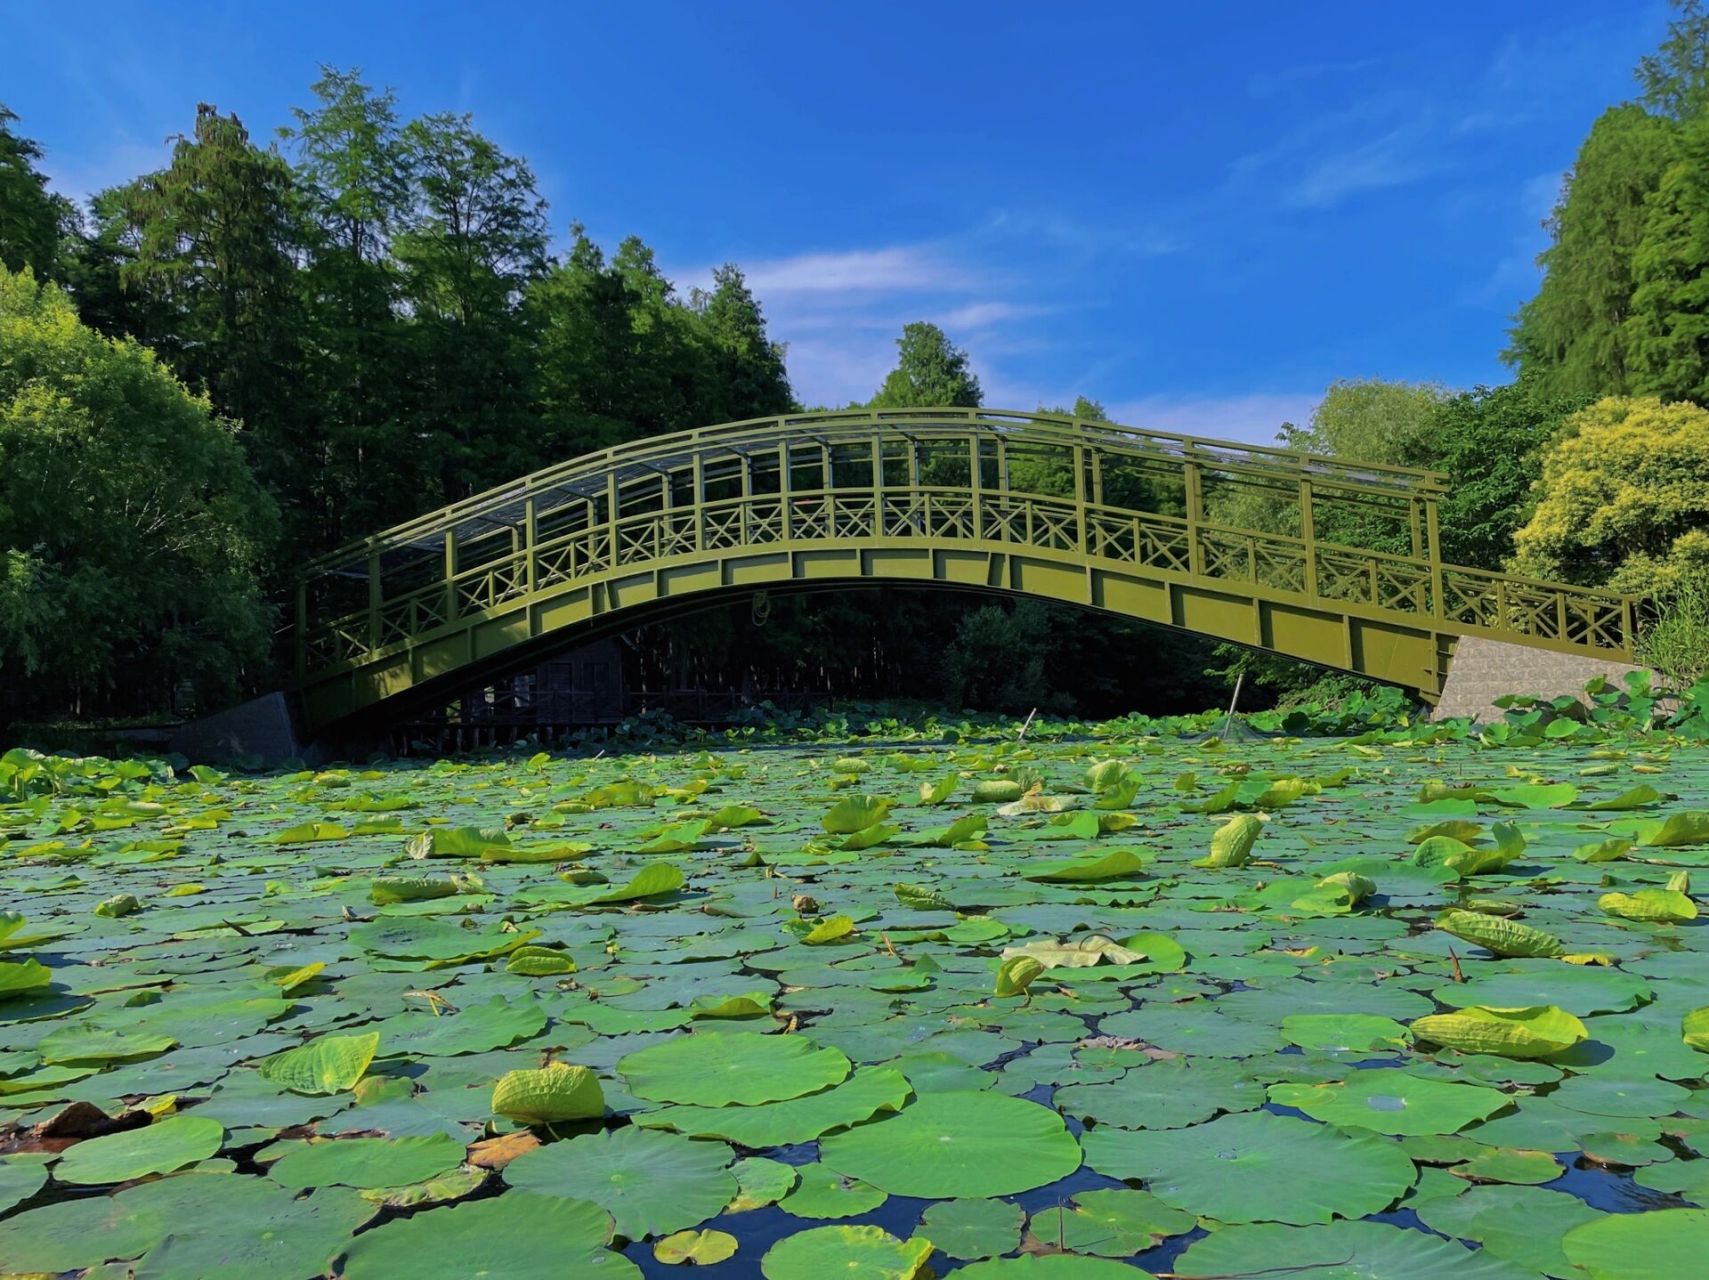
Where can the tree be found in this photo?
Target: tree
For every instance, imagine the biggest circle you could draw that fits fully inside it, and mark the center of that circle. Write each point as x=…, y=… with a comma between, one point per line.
x=354, y=183
x=1490, y=442
x=930, y=371
x=212, y=243
x=131, y=529
x=747, y=366
x=1572, y=338
x=1623, y=499
x=33, y=220
x=474, y=241
x=1667, y=333
x=1675, y=79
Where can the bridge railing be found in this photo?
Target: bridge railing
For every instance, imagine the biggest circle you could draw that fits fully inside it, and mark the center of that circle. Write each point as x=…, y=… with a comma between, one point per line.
x=1455, y=598
x=853, y=427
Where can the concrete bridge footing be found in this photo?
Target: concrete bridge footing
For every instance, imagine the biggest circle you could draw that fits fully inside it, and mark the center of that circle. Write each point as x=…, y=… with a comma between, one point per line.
x=1483, y=670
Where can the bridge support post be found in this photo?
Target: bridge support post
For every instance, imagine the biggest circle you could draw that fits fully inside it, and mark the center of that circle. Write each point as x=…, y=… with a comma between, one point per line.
x=976, y=482
x=450, y=576
x=1308, y=537
x=1431, y=525
x=373, y=596
x=1194, y=484
x=1080, y=531
x=529, y=539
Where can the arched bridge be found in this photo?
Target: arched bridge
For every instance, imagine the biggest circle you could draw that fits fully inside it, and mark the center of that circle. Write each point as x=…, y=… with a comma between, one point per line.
x=1086, y=513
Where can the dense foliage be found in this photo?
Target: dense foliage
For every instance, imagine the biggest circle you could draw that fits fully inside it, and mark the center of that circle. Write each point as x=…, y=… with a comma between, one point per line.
x=1624, y=497
x=130, y=526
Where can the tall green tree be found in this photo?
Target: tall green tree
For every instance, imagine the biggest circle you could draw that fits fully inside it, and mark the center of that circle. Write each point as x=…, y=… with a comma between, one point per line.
x=1573, y=337
x=131, y=529
x=1675, y=78
x=475, y=239
x=213, y=245
x=33, y=220
x=747, y=374
x=1667, y=332
x=354, y=184
x=930, y=371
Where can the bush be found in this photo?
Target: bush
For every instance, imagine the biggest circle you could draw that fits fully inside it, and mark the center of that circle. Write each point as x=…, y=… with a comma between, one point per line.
x=1676, y=644
x=131, y=530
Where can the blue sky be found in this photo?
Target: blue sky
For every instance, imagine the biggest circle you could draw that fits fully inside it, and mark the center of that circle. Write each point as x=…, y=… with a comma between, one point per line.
x=1198, y=214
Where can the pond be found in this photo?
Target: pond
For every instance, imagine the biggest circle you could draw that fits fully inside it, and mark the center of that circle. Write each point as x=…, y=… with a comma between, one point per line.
x=1408, y=1004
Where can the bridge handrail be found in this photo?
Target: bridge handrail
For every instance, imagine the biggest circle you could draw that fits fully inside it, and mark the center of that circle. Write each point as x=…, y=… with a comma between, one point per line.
x=1505, y=587
x=1262, y=460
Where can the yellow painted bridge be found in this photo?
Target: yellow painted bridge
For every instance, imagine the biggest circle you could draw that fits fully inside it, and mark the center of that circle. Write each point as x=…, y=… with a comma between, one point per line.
x=1029, y=504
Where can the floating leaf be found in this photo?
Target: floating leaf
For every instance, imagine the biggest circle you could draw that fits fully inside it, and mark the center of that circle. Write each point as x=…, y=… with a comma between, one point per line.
x=1114, y=865
x=1392, y=1101
x=556, y=1093
x=1247, y=1168
x=157, y=1148
x=1504, y=937
x=326, y=1064
x=1665, y=905
x=859, y=1253
x=702, y=1248
x=716, y=1068
x=944, y=1145
x=856, y=813
x=650, y=1183
x=1232, y=843
x=515, y=1234
x=1533, y=1032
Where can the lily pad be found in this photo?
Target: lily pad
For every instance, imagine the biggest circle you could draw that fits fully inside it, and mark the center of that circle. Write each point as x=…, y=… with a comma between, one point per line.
x=326, y=1064
x=1392, y=1101
x=157, y=1148
x=367, y=1162
x=853, y=1253
x=1661, y=1245
x=1245, y=1168
x=947, y=1145
x=716, y=1068
x=972, y=1229
x=530, y=1237
x=1340, y=1251
x=650, y=1183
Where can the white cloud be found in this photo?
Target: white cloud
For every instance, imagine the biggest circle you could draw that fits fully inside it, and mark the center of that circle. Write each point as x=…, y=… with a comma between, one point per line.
x=984, y=315
x=1392, y=160
x=895, y=269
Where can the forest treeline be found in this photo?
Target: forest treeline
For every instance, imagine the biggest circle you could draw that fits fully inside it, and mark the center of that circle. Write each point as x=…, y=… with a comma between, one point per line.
x=276, y=343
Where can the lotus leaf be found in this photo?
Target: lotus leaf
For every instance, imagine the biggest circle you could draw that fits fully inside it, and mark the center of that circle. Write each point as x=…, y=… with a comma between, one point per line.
x=156, y=1148
x=552, y=1094
x=1534, y=1032
x=326, y=1064
x=1245, y=1168
x=1392, y=1101
x=650, y=1183
x=716, y=1068
x=853, y=1253
x=944, y=1145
